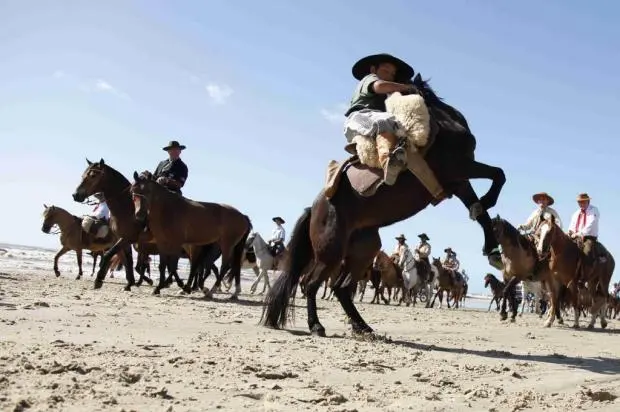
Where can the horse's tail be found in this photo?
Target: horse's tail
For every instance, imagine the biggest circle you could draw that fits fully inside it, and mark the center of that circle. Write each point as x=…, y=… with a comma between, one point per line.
x=300, y=254
x=239, y=249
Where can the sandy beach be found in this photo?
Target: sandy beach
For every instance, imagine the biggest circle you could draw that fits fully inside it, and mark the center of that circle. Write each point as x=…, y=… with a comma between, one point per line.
x=65, y=346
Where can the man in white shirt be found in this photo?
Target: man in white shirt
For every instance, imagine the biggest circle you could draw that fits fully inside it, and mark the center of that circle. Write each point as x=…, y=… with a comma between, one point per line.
x=402, y=250
x=96, y=223
x=584, y=226
x=423, y=251
x=544, y=202
x=278, y=237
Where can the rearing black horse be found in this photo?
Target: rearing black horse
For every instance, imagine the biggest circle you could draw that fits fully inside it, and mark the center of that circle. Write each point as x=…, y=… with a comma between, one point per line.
x=345, y=228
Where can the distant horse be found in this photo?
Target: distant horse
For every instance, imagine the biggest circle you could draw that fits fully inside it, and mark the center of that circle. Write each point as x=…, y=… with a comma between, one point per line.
x=447, y=283
x=497, y=287
x=176, y=222
x=264, y=259
x=72, y=236
x=565, y=262
x=391, y=277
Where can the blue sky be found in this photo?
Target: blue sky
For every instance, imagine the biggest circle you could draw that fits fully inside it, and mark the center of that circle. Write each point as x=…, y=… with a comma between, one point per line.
x=256, y=91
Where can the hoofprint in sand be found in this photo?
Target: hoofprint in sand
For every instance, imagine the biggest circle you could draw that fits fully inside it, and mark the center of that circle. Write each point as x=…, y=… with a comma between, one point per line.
x=66, y=347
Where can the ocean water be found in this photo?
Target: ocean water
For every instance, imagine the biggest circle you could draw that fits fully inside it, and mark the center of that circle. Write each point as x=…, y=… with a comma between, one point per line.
x=16, y=259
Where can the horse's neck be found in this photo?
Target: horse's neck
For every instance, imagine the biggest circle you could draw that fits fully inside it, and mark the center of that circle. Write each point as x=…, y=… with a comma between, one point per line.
x=260, y=246
x=64, y=219
x=117, y=195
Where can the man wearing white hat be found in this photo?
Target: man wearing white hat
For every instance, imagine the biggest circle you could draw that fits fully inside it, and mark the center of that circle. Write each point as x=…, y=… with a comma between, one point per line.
x=544, y=202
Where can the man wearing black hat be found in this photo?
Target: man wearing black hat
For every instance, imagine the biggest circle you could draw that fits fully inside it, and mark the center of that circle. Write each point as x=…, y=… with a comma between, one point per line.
x=278, y=236
x=423, y=251
x=172, y=172
x=380, y=75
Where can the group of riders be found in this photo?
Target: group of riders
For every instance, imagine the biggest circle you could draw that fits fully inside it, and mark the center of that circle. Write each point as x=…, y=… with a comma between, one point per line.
x=403, y=254
x=583, y=228
x=379, y=75
x=172, y=174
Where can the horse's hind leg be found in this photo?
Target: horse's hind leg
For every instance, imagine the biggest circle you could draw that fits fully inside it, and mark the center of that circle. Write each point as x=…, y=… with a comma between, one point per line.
x=78, y=254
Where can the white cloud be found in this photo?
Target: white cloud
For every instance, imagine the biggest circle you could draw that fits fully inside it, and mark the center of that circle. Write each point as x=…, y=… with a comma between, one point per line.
x=103, y=86
x=59, y=74
x=336, y=114
x=219, y=93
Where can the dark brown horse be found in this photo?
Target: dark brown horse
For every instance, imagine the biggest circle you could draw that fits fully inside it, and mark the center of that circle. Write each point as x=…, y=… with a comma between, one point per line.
x=346, y=226
x=447, y=283
x=497, y=287
x=566, y=262
x=176, y=222
x=99, y=177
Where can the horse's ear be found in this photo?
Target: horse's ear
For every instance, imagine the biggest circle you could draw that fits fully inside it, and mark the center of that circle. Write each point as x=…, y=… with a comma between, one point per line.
x=136, y=177
x=417, y=79
x=89, y=162
x=101, y=162
x=44, y=205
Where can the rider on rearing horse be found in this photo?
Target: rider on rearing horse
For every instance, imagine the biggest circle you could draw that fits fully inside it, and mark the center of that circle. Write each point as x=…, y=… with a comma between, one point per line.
x=380, y=75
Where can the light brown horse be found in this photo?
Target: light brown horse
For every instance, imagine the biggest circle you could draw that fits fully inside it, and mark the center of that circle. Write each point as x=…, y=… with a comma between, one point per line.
x=446, y=283
x=566, y=262
x=176, y=221
x=391, y=278
x=72, y=236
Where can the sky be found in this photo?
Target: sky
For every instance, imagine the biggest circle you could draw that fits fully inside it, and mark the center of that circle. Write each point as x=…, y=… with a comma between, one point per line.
x=257, y=91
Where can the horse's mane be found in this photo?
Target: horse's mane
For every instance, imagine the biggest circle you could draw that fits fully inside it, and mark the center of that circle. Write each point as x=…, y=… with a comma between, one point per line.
x=445, y=115
x=513, y=235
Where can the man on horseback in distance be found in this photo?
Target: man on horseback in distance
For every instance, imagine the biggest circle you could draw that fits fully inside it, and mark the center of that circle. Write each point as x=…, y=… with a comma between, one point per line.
x=451, y=263
x=172, y=172
x=544, y=202
x=402, y=248
x=380, y=75
x=423, y=251
x=97, y=223
x=584, y=227
x=278, y=237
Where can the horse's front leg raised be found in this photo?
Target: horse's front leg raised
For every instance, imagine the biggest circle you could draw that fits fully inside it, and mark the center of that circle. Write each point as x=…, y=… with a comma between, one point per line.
x=477, y=170
x=61, y=252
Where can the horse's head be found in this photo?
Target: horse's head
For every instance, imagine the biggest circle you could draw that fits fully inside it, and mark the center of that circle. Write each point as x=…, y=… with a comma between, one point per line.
x=250, y=240
x=487, y=279
x=92, y=180
x=503, y=230
x=142, y=193
x=377, y=263
x=546, y=234
x=49, y=218
x=437, y=262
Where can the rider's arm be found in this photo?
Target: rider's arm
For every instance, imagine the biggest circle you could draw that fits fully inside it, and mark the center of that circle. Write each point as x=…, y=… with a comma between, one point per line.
x=385, y=87
x=530, y=221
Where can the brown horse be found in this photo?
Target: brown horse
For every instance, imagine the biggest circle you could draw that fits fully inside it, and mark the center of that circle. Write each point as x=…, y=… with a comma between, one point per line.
x=391, y=277
x=497, y=287
x=72, y=236
x=100, y=177
x=447, y=283
x=346, y=226
x=176, y=221
x=566, y=262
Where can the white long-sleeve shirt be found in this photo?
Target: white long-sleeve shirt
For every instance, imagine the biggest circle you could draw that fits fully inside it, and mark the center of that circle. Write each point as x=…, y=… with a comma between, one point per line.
x=534, y=220
x=590, y=226
x=403, y=252
x=278, y=234
x=424, y=250
x=101, y=211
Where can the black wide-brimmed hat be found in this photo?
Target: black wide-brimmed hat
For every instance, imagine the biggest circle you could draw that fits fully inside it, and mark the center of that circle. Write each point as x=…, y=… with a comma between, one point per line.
x=174, y=145
x=449, y=250
x=362, y=67
x=423, y=236
x=401, y=237
x=279, y=220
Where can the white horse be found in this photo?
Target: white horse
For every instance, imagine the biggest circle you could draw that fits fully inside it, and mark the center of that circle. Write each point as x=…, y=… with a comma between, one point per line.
x=264, y=260
x=536, y=289
x=410, y=275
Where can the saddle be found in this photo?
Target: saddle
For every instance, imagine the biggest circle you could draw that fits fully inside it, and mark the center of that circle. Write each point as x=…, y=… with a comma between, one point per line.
x=364, y=180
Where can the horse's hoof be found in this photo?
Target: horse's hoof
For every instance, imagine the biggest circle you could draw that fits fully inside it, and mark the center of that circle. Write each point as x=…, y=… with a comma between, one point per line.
x=98, y=284
x=127, y=288
x=576, y=326
x=79, y=277
x=560, y=321
x=513, y=320
x=590, y=326
x=156, y=291
x=320, y=332
x=603, y=324
x=234, y=298
x=57, y=273
x=187, y=290
x=149, y=281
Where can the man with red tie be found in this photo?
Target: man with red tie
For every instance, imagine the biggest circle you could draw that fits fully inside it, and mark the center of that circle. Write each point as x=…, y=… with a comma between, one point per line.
x=584, y=225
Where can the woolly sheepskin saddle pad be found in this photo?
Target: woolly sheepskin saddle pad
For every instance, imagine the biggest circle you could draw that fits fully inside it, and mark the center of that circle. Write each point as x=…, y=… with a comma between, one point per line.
x=412, y=114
